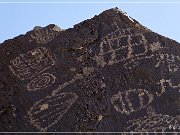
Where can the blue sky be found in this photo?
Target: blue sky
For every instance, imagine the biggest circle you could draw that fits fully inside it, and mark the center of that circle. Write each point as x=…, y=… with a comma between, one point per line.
x=16, y=19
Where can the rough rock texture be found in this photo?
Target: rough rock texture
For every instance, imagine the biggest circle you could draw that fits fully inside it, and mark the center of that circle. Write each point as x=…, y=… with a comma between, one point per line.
x=107, y=74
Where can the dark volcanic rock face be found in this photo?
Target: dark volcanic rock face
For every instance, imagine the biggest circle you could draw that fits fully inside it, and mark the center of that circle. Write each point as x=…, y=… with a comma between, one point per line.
x=107, y=74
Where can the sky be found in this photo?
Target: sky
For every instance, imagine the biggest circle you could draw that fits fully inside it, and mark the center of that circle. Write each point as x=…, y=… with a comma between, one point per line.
x=18, y=18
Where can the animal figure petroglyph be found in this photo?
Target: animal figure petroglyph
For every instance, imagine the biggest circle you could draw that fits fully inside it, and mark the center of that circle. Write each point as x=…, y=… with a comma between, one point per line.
x=26, y=66
x=131, y=100
x=154, y=123
x=42, y=81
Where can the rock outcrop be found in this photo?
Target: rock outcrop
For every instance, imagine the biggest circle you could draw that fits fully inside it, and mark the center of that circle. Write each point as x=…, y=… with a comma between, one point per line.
x=107, y=74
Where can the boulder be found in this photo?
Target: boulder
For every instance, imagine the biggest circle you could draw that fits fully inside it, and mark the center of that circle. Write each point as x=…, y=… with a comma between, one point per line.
x=106, y=74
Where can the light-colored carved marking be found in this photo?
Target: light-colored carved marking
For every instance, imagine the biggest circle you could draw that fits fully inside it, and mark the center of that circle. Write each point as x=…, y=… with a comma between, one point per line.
x=100, y=117
x=88, y=70
x=64, y=85
x=103, y=85
x=134, y=61
x=163, y=83
x=155, y=46
x=78, y=76
x=26, y=66
x=73, y=69
x=172, y=61
x=144, y=40
x=44, y=107
x=42, y=81
x=119, y=33
x=120, y=106
x=80, y=58
x=140, y=95
x=130, y=50
x=113, y=55
x=112, y=41
x=113, y=60
x=47, y=112
x=157, y=122
x=131, y=109
x=100, y=59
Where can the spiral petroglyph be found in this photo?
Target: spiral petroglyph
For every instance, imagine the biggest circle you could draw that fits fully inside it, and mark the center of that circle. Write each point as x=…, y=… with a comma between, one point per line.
x=42, y=81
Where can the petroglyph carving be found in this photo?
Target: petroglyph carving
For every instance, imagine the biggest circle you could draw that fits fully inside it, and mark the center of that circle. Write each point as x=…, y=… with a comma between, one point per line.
x=172, y=61
x=119, y=33
x=88, y=70
x=131, y=100
x=42, y=81
x=153, y=123
x=169, y=83
x=122, y=48
x=78, y=76
x=25, y=66
x=47, y=112
x=40, y=115
x=155, y=46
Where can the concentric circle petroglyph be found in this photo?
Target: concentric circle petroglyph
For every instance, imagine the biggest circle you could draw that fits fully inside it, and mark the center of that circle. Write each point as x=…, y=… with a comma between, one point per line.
x=42, y=81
